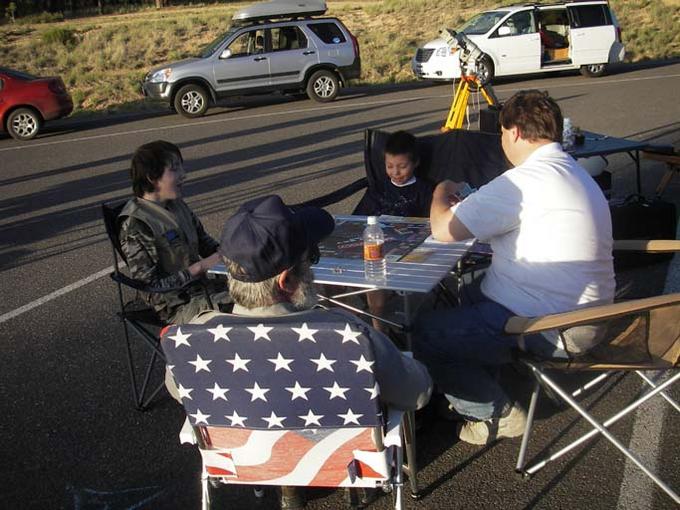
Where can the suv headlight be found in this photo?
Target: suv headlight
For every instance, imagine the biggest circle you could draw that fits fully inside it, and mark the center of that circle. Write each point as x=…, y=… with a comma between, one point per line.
x=160, y=76
x=442, y=52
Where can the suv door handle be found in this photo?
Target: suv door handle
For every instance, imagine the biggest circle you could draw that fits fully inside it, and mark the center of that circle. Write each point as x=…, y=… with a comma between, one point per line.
x=310, y=52
x=257, y=59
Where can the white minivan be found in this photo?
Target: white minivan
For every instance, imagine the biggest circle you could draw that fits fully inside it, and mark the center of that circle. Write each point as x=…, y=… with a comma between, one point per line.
x=531, y=38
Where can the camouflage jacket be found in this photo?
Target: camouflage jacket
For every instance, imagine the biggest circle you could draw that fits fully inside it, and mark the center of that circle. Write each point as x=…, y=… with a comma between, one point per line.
x=160, y=243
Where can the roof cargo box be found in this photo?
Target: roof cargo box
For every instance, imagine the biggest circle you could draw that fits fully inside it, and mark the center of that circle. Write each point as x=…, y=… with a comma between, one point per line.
x=280, y=9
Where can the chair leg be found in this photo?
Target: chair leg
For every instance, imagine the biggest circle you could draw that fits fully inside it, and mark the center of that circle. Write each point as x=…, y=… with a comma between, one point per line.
x=139, y=393
x=663, y=394
x=602, y=429
x=521, y=458
x=399, y=479
x=410, y=445
x=205, y=491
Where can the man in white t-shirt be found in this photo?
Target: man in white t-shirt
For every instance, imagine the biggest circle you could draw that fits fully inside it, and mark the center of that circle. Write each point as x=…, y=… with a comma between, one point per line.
x=549, y=228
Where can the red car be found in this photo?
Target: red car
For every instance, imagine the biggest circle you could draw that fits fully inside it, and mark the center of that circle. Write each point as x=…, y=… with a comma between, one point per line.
x=27, y=101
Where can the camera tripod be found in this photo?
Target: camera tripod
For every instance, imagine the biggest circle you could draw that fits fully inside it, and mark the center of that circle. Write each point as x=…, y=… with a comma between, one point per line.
x=454, y=120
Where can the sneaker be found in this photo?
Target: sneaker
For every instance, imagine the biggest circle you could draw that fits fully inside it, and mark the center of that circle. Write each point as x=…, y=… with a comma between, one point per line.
x=486, y=432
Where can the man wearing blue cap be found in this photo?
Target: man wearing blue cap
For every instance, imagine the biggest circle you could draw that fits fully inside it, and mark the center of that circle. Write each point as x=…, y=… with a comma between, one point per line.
x=268, y=250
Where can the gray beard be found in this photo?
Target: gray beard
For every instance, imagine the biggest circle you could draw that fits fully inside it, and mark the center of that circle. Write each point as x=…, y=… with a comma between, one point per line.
x=304, y=296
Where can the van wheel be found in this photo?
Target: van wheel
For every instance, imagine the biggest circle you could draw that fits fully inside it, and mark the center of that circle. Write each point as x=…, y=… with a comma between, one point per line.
x=23, y=124
x=323, y=86
x=191, y=101
x=594, y=70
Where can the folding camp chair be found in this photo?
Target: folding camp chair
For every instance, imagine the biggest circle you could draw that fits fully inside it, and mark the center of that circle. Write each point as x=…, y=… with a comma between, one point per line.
x=642, y=335
x=135, y=314
x=275, y=402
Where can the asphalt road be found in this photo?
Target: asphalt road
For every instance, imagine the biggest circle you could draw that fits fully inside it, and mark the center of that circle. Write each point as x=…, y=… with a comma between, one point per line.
x=71, y=436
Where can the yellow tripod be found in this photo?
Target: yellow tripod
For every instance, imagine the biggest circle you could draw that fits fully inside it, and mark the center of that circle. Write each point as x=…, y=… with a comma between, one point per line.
x=460, y=100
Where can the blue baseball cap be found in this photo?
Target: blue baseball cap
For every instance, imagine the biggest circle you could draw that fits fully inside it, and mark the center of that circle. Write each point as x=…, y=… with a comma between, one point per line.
x=265, y=236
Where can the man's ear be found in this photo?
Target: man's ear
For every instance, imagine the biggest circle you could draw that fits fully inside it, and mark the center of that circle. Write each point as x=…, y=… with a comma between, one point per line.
x=286, y=282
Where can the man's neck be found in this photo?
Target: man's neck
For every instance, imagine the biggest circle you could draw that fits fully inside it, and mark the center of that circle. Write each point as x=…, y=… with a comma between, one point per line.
x=280, y=308
x=527, y=148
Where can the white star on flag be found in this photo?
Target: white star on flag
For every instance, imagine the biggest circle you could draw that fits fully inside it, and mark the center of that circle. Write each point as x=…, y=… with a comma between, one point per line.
x=374, y=391
x=261, y=331
x=363, y=364
x=238, y=363
x=336, y=391
x=200, y=417
x=281, y=363
x=218, y=392
x=236, y=419
x=305, y=333
x=350, y=417
x=348, y=335
x=184, y=393
x=180, y=338
x=311, y=418
x=274, y=421
x=201, y=364
x=298, y=391
x=220, y=332
x=257, y=393
x=322, y=363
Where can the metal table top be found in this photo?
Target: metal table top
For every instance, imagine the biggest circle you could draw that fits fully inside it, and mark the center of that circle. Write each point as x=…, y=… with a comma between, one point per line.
x=430, y=261
x=596, y=144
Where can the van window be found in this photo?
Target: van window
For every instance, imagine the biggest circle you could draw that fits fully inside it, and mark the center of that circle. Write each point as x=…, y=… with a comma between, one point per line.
x=585, y=16
x=248, y=43
x=329, y=33
x=482, y=23
x=519, y=24
x=287, y=38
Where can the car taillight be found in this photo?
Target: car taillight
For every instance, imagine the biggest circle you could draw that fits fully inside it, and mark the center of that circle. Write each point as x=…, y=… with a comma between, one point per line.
x=56, y=86
x=618, y=34
x=355, y=43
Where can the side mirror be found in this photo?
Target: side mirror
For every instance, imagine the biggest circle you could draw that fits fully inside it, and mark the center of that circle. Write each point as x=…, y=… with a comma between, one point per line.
x=503, y=31
x=225, y=54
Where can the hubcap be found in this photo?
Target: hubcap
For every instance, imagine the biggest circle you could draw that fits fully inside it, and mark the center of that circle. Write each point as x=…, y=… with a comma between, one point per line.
x=24, y=125
x=595, y=68
x=324, y=87
x=192, y=102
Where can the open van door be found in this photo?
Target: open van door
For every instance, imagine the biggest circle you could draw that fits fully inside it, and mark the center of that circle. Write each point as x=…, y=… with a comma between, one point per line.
x=592, y=33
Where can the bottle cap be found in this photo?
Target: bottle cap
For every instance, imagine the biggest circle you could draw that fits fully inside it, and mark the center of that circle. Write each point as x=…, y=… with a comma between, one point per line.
x=372, y=220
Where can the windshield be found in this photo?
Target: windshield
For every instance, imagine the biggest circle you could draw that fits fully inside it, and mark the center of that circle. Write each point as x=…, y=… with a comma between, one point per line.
x=17, y=74
x=211, y=48
x=482, y=23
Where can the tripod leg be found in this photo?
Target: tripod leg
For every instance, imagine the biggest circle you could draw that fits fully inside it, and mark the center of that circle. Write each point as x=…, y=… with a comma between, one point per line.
x=451, y=122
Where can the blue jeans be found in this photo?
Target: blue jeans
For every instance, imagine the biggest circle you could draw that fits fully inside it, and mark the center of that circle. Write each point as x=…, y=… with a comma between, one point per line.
x=464, y=347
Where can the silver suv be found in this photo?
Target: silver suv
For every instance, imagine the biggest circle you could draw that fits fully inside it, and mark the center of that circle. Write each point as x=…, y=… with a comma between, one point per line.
x=273, y=46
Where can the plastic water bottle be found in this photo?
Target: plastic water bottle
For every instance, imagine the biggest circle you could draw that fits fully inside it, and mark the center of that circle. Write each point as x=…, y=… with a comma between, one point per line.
x=374, y=254
x=568, y=134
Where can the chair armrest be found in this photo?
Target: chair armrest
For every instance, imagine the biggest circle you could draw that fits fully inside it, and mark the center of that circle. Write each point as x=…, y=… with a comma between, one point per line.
x=653, y=246
x=335, y=196
x=525, y=325
x=143, y=287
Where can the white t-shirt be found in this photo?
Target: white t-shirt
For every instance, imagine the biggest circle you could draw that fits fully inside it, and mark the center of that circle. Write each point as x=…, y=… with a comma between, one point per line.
x=549, y=227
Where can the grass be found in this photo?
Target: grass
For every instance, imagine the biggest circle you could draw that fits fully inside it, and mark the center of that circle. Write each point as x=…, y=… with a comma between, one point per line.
x=102, y=59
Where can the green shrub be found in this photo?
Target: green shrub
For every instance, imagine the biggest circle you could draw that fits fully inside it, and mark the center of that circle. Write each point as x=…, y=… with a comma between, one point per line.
x=59, y=35
x=43, y=17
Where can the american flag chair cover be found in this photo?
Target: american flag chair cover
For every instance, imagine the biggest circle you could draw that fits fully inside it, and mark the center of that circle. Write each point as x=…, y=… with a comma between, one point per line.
x=288, y=400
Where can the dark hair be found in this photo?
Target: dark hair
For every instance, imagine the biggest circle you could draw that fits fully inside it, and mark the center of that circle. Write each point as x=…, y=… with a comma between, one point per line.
x=402, y=142
x=535, y=114
x=149, y=162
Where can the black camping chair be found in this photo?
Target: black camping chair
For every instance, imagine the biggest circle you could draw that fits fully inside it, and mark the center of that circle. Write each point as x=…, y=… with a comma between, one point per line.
x=135, y=313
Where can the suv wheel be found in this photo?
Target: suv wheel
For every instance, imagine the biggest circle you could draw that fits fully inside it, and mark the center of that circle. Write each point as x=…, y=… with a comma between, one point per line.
x=594, y=70
x=191, y=101
x=23, y=124
x=323, y=86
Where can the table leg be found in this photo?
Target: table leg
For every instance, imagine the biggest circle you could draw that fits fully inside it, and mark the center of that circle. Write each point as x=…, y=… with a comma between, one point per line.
x=408, y=326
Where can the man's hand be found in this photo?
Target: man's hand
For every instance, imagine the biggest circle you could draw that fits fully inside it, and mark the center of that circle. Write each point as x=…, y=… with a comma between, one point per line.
x=445, y=226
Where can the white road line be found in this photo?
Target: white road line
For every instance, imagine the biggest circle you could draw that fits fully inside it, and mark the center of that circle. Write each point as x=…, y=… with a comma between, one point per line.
x=637, y=489
x=57, y=293
x=317, y=109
